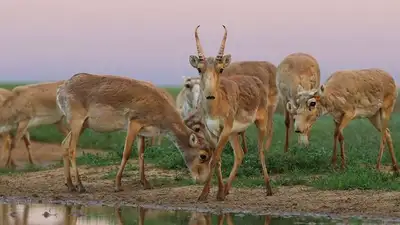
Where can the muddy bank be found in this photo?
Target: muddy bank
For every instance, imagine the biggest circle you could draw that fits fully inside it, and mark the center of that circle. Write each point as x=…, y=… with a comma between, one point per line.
x=48, y=186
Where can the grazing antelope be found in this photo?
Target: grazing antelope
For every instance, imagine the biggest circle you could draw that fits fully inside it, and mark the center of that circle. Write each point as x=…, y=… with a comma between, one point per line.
x=106, y=103
x=231, y=104
x=297, y=70
x=7, y=137
x=349, y=95
x=195, y=121
x=30, y=106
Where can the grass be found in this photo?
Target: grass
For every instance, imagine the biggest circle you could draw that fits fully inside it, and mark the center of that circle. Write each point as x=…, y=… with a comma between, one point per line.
x=306, y=166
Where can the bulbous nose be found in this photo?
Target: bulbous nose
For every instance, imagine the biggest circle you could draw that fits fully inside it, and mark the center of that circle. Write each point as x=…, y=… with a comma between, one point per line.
x=297, y=131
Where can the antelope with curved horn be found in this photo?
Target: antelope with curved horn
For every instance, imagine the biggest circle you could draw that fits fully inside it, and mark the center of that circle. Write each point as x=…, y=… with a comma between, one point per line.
x=298, y=71
x=348, y=95
x=231, y=104
x=106, y=103
x=188, y=103
x=30, y=106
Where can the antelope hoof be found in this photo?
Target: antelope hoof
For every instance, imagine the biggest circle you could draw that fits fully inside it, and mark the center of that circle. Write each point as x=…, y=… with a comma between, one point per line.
x=226, y=190
x=204, y=194
x=269, y=190
x=202, y=197
x=118, y=189
x=221, y=195
x=80, y=188
x=10, y=165
x=146, y=184
x=71, y=188
x=396, y=171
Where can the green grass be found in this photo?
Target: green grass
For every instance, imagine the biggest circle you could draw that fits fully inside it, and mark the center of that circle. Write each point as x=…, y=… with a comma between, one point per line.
x=306, y=166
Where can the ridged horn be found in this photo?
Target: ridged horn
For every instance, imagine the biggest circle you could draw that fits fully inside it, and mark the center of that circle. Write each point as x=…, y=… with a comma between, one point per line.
x=222, y=48
x=200, y=51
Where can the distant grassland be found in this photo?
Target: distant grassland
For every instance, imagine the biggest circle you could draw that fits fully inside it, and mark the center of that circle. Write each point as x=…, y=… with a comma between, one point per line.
x=306, y=166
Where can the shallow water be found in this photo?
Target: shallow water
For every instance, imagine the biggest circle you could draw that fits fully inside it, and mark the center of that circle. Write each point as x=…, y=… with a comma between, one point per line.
x=47, y=214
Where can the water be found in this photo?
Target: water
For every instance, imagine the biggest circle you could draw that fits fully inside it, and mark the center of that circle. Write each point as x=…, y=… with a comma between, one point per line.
x=43, y=214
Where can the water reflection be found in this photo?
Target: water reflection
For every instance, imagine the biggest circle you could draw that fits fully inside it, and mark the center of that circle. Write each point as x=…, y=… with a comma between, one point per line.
x=42, y=214
x=206, y=219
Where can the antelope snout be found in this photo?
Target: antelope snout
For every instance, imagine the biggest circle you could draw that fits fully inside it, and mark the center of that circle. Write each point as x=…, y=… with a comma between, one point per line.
x=298, y=129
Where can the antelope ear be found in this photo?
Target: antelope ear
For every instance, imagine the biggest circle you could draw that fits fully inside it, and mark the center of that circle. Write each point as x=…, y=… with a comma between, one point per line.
x=321, y=90
x=290, y=107
x=226, y=60
x=194, y=61
x=193, y=140
x=299, y=88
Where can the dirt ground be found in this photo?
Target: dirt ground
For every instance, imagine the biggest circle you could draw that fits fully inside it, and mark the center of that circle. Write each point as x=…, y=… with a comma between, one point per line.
x=48, y=186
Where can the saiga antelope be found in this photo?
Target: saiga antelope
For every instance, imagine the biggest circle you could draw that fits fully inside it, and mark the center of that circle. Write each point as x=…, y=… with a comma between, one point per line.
x=187, y=99
x=106, y=103
x=298, y=71
x=349, y=95
x=188, y=103
x=231, y=104
x=7, y=137
x=30, y=106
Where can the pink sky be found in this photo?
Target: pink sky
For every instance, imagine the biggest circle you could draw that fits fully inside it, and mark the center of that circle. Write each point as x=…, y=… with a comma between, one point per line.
x=149, y=40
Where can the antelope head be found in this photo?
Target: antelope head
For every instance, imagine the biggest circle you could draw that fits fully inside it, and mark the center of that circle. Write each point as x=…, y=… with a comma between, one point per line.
x=199, y=164
x=192, y=84
x=306, y=108
x=210, y=68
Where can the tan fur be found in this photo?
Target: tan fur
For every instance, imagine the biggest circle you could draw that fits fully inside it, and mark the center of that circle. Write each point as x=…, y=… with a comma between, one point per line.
x=157, y=140
x=7, y=136
x=231, y=104
x=30, y=106
x=266, y=72
x=106, y=103
x=297, y=70
x=348, y=95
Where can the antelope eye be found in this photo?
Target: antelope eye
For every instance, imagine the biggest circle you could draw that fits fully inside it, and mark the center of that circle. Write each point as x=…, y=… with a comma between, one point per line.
x=203, y=157
x=198, y=69
x=312, y=104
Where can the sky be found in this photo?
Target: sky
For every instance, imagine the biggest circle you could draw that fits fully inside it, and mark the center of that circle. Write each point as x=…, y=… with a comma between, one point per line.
x=45, y=40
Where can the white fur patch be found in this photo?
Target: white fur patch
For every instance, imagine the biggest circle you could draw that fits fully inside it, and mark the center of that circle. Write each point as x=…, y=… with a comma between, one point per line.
x=213, y=126
x=239, y=126
x=150, y=131
x=42, y=120
x=6, y=128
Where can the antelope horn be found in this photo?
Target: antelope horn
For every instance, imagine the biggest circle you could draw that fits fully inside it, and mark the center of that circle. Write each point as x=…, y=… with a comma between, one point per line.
x=222, y=48
x=200, y=51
